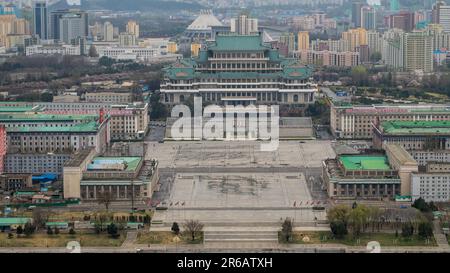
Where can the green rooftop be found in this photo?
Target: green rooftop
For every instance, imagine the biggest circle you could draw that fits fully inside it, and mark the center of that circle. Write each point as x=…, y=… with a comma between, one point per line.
x=360, y=162
x=8, y=221
x=87, y=127
x=132, y=162
x=15, y=109
x=416, y=127
x=43, y=117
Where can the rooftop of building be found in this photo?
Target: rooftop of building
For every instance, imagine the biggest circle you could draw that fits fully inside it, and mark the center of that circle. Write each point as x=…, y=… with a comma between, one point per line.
x=78, y=158
x=87, y=127
x=130, y=163
x=409, y=108
x=364, y=162
x=400, y=153
x=204, y=21
x=416, y=127
x=44, y=117
x=7, y=221
x=12, y=108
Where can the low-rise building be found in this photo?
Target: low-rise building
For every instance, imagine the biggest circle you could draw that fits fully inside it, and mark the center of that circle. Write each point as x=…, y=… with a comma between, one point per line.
x=53, y=49
x=124, y=178
x=15, y=181
x=361, y=176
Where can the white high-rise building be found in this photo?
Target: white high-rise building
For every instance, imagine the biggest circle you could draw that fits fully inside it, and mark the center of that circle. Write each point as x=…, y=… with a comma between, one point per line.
x=243, y=25
x=108, y=32
x=392, y=53
x=441, y=15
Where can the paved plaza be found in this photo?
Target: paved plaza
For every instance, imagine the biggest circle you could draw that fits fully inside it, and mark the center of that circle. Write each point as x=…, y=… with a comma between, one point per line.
x=228, y=182
x=245, y=154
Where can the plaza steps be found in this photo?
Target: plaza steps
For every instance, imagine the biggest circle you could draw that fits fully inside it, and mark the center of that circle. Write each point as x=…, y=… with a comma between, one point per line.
x=238, y=236
x=241, y=224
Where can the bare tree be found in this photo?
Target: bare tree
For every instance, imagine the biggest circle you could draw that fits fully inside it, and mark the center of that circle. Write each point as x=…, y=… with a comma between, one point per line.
x=40, y=217
x=193, y=227
x=105, y=198
x=287, y=229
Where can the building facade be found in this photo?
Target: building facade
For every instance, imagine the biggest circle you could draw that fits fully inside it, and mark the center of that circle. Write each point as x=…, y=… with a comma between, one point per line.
x=355, y=121
x=236, y=70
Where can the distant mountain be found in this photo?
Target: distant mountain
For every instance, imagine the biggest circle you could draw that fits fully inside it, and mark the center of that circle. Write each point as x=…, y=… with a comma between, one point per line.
x=131, y=5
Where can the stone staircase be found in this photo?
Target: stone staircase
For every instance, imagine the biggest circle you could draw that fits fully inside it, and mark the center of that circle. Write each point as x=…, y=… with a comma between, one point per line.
x=240, y=235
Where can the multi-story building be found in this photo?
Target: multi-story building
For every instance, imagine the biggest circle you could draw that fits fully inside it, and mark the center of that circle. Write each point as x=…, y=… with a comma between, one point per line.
x=374, y=42
x=289, y=40
x=239, y=69
x=88, y=176
x=36, y=120
x=355, y=38
x=53, y=49
x=368, y=18
x=127, y=39
x=73, y=25
x=303, y=40
x=393, y=48
x=418, y=51
x=356, y=13
x=243, y=25
x=36, y=163
x=133, y=28
x=441, y=15
x=403, y=20
x=413, y=135
x=115, y=97
x=355, y=121
x=432, y=184
x=423, y=157
x=108, y=32
x=360, y=176
x=48, y=139
x=138, y=53
x=329, y=58
x=68, y=24
x=40, y=19
x=11, y=27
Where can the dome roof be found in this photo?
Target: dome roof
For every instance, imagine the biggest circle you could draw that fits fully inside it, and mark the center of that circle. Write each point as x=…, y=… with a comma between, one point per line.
x=204, y=21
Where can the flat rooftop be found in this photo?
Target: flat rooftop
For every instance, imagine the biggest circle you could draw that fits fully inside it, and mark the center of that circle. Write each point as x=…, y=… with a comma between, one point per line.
x=131, y=162
x=5, y=108
x=78, y=158
x=363, y=162
x=43, y=117
x=88, y=127
x=416, y=127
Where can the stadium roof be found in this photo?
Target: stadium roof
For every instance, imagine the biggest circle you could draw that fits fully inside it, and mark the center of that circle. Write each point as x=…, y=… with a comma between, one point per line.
x=204, y=21
x=437, y=127
x=362, y=162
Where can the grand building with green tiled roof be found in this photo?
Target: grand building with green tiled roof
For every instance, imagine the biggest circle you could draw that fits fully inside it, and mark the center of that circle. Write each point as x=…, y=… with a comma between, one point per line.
x=413, y=135
x=239, y=70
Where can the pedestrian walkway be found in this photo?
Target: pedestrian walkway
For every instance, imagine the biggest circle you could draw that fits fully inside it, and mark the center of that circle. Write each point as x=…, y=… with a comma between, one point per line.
x=131, y=238
x=439, y=236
